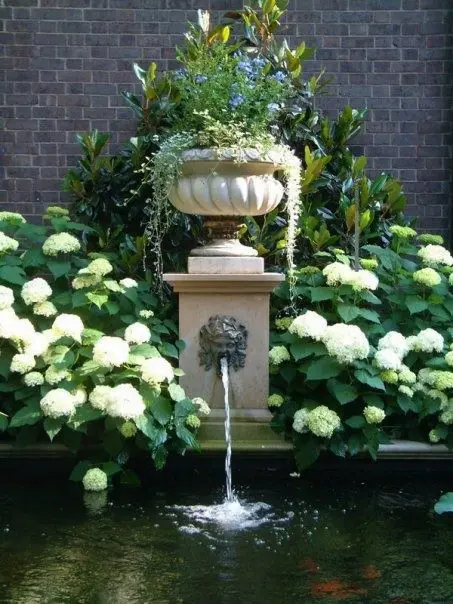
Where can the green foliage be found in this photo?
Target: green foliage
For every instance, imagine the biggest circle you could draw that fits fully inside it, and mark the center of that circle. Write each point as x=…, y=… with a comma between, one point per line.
x=64, y=306
x=414, y=391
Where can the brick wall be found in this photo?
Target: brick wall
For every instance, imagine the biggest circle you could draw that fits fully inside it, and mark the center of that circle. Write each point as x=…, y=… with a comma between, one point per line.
x=65, y=63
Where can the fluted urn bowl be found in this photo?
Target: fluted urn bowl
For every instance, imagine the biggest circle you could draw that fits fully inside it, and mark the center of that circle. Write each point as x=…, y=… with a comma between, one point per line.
x=217, y=184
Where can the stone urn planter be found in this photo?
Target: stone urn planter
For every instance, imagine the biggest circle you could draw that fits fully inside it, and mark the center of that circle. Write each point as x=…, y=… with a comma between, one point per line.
x=217, y=184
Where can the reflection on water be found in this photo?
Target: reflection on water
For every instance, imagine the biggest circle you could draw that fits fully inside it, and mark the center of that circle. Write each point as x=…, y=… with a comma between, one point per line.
x=324, y=539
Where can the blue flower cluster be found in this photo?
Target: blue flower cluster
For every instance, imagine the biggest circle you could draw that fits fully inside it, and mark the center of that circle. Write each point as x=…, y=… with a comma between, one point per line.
x=251, y=67
x=236, y=100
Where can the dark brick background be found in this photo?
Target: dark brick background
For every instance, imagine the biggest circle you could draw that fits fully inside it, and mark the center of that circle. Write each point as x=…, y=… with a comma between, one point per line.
x=65, y=62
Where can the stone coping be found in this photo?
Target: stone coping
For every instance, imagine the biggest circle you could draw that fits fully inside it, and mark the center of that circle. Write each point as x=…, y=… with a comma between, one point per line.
x=398, y=450
x=223, y=284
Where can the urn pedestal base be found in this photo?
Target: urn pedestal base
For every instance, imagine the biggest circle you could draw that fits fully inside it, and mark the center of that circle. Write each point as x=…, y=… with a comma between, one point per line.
x=246, y=298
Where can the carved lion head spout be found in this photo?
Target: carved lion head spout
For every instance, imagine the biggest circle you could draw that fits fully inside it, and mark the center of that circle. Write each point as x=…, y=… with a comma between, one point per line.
x=222, y=337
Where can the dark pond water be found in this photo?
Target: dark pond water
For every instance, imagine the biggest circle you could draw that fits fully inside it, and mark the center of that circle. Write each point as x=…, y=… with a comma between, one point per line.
x=332, y=536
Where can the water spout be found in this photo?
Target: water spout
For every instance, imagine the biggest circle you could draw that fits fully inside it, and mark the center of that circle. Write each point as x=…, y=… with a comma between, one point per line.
x=225, y=382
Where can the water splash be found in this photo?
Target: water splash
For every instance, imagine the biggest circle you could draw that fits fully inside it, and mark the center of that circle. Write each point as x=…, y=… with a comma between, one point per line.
x=226, y=389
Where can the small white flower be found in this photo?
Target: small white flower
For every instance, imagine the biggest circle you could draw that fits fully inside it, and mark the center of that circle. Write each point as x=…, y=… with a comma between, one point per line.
x=128, y=283
x=60, y=243
x=100, y=397
x=396, y=342
x=300, y=421
x=79, y=396
x=309, y=325
x=45, y=309
x=125, y=402
x=337, y=273
x=278, y=354
x=374, y=415
x=22, y=363
x=35, y=291
x=432, y=255
x=428, y=340
x=7, y=244
x=202, y=406
x=54, y=375
x=156, y=370
x=100, y=267
x=8, y=319
x=33, y=379
x=57, y=403
x=137, y=333
x=37, y=345
x=70, y=326
x=110, y=351
x=95, y=480
x=6, y=297
x=387, y=359
x=346, y=343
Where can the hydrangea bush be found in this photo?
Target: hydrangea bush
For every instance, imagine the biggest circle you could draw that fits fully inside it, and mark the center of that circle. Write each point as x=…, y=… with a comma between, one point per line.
x=369, y=355
x=86, y=358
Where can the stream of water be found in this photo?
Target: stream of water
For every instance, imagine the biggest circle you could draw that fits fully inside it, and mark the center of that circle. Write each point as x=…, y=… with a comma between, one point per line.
x=226, y=397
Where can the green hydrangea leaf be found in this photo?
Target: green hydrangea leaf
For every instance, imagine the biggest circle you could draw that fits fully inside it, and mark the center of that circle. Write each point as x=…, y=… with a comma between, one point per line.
x=344, y=393
x=323, y=369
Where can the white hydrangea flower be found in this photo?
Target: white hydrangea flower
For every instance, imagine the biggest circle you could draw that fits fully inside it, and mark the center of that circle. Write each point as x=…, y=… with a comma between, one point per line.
x=8, y=318
x=373, y=415
x=300, y=421
x=137, y=333
x=7, y=244
x=37, y=345
x=363, y=279
x=434, y=436
x=146, y=314
x=428, y=340
x=83, y=281
x=110, y=351
x=449, y=358
x=80, y=396
x=54, y=375
x=70, y=326
x=406, y=376
x=51, y=336
x=157, y=370
x=12, y=218
x=202, y=406
x=22, y=363
x=128, y=283
x=406, y=390
x=309, y=325
x=396, y=342
x=125, y=402
x=100, y=397
x=33, y=379
x=427, y=276
x=322, y=421
x=346, y=343
x=95, y=480
x=57, y=211
x=45, y=309
x=275, y=400
x=432, y=255
x=100, y=267
x=6, y=297
x=60, y=243
x=387, y=359
x=278, y=354
x=35, y=291
x=337, y=273
x=22, y=331
x=57, y=403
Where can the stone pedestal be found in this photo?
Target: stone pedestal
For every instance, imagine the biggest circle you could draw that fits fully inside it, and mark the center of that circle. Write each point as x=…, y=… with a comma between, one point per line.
x=216, y=286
